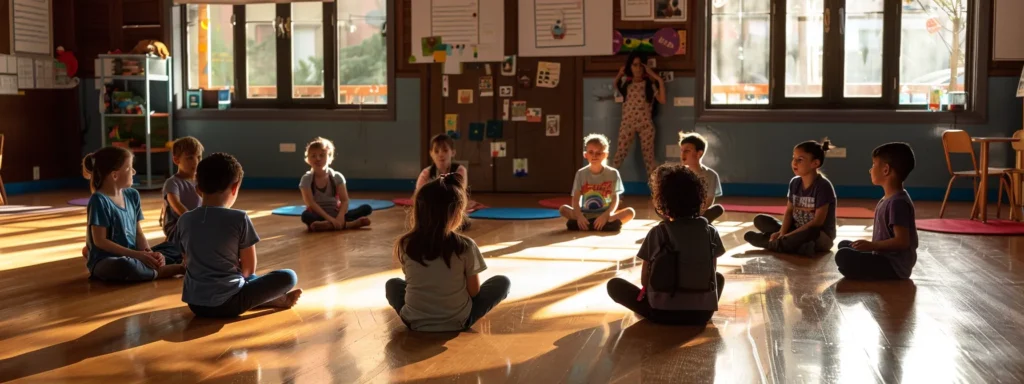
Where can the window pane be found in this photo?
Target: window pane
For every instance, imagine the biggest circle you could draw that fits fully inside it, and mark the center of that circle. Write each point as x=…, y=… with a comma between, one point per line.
x=362, y=52
x=740, y=43
x=863, y=67
x=261, y=51
x=308, y=50
x=932, y=48
x=805, y=31
x=211, y=63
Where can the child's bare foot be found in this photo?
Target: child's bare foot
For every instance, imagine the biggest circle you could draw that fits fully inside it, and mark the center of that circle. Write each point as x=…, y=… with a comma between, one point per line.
x=85, y=251
x=287, y=300
x=170, y=271
x=360, y=222
x=321, y=226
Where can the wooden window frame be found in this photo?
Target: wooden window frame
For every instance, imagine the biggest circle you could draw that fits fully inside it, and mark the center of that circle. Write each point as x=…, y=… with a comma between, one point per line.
x=285, y=107
x=833, y=106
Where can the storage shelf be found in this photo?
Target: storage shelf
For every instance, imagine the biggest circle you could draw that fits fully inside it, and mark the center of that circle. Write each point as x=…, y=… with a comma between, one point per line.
x=139, y=77
x=156, y=114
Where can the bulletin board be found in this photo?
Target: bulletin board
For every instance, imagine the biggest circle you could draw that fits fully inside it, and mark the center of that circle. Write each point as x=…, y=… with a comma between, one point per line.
x=1007, y=30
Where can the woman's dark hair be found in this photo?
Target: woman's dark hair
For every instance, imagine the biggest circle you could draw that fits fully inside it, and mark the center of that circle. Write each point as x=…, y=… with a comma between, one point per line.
x=676, y=191
x=815, y=149
x=648, y=84
x=437, y=212
x=97, y=165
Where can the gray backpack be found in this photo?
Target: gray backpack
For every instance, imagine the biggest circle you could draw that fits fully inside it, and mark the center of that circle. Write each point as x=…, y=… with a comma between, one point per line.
x=686, y=263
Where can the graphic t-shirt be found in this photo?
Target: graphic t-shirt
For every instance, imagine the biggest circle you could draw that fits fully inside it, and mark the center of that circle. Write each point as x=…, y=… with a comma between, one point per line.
x=597, y=189
x=806, y=201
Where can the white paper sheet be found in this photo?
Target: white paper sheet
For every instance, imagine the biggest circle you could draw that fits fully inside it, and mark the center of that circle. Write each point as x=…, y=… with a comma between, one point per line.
x=456, y=20
x=31, y=26
x=568, y=14
x=26, y=73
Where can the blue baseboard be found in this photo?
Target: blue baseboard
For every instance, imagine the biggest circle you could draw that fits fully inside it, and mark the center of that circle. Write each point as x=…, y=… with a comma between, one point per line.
x=24, y=187
x=384, y=185
x=842, y=191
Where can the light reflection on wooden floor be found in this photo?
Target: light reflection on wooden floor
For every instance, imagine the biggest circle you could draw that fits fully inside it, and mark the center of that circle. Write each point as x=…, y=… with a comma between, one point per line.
x=781, y=319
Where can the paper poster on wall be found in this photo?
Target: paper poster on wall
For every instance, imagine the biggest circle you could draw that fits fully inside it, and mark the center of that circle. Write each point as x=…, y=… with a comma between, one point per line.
x=498, y=149
x=465, y=96
x=476, y=131
x=451, y=122
x=486, y=86
x=565, y=28
x=494, y=129
x=518, y=111
x=444, y=85
x=505, y=91
x=520, y=167
x=553, y=126
x=508, y=66
x=1020, y=84
x=668, y=76
x=26, y=73
x=637, y=9
x=670, y=10
x=487, y=69
x=472, y=30
x=548, y=74
x=504, y=109
x=533, y=115
x=452, y=66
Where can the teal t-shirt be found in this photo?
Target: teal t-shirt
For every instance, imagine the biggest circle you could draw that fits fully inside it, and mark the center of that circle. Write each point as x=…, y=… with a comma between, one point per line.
x=121, y=223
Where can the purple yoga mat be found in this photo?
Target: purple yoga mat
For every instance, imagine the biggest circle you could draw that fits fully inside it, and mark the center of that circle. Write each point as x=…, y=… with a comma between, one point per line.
x=81, y=202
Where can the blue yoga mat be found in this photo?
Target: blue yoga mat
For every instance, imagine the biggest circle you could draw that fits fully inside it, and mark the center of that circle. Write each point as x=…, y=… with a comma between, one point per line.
x=296, y=210
x=514, y=213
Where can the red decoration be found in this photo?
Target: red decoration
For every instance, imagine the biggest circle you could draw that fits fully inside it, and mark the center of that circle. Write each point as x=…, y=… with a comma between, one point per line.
x=933, y=25
x=69, y=60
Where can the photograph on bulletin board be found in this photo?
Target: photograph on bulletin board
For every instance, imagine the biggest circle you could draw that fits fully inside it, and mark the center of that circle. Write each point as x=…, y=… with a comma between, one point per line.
x=670, y=10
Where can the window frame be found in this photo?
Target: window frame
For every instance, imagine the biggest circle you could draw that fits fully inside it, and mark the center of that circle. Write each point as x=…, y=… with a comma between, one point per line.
x=285, y=107
x=834, y=106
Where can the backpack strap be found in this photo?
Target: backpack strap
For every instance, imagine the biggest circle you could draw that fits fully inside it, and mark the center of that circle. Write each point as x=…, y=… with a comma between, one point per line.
x=433, y=171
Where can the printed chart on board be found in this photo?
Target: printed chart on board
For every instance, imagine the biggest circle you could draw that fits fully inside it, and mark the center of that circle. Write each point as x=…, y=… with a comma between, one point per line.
x=452, y=31
x=559, y=28
x=559, y=23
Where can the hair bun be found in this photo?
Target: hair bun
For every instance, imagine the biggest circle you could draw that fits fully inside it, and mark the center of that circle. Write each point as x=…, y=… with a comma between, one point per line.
x=826, y=145
x=452, y=178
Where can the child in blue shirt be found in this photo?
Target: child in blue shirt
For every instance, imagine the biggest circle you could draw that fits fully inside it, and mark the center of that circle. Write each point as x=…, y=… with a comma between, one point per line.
x=892, y=252
x=680, y=284
x=117, y=246
x=220, y=250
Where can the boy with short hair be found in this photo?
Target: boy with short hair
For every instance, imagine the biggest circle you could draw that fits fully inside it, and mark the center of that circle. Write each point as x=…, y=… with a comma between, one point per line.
x=220, y=250
x=595, y=192
x=892, y=252
x=179, y=191
x=692, y=147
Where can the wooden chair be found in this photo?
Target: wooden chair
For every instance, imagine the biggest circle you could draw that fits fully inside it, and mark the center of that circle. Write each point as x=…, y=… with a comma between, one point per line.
x=1017, y=198
x=959, y=141
x=3, y=191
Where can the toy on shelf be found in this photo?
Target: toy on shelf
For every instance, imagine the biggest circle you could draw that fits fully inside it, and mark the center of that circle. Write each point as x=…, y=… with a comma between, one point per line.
x=68, y=60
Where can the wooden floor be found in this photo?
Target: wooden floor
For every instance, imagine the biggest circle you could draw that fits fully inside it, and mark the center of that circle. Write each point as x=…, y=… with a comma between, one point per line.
x=781, y=319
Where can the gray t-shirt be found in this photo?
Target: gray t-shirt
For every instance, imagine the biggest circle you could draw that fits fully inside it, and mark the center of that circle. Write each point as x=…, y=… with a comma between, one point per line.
x=897, y=210
x=326, y=196
x=212, y=237
x=712, y=185
x=700, y=243
x=806, y=201
x=436, y=299
x=597, y=189
x=186, y=192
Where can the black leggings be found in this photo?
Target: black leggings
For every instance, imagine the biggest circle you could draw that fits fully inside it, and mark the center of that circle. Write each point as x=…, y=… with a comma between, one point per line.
x=858, y=265
x=625, y=293
x=791, y=242
x=309, y=217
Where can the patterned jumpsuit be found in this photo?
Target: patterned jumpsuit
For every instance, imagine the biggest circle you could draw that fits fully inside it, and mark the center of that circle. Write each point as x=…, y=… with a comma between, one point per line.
x=636, y=119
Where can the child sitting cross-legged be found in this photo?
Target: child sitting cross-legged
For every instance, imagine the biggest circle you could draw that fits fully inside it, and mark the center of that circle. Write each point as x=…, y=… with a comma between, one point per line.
x=220, y=250
x=678, y=277
x=595, y=192
x=323, y=191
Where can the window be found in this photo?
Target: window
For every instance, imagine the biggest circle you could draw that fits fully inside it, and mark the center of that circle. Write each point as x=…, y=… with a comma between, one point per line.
x=836, y=54
x=292, y=54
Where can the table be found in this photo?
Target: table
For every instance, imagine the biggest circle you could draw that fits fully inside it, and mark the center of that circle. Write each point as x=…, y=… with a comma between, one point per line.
x=982, y=199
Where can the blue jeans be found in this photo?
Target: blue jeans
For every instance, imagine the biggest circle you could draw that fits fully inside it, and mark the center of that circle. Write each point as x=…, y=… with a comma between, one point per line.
x=310, y=217
x=122, y=269
x=492, y=292
x=258, y=290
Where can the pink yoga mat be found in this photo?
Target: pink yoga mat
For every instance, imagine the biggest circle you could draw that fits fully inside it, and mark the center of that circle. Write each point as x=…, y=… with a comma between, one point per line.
x=972, y=227
x=555, y=202
x=80, y=202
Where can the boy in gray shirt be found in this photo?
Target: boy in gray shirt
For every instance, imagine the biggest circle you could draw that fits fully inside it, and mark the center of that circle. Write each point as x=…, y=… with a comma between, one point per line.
x=220, y=250
x=595, y=192
x=692, y=147
x=892, y=252
x=179, y=193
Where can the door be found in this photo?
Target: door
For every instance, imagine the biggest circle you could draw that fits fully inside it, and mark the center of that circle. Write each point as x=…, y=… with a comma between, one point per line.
x=477, y=108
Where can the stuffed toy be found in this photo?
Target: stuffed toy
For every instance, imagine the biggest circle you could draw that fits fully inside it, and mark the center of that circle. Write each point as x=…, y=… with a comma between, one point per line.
x=151, y=46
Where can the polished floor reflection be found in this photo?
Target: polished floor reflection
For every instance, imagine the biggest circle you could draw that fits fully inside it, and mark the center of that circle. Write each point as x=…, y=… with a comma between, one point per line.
x=781, y=320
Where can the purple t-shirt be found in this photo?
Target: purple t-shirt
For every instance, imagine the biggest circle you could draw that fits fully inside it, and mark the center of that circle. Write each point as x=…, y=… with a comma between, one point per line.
x=897, y=210
x=805, y=201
